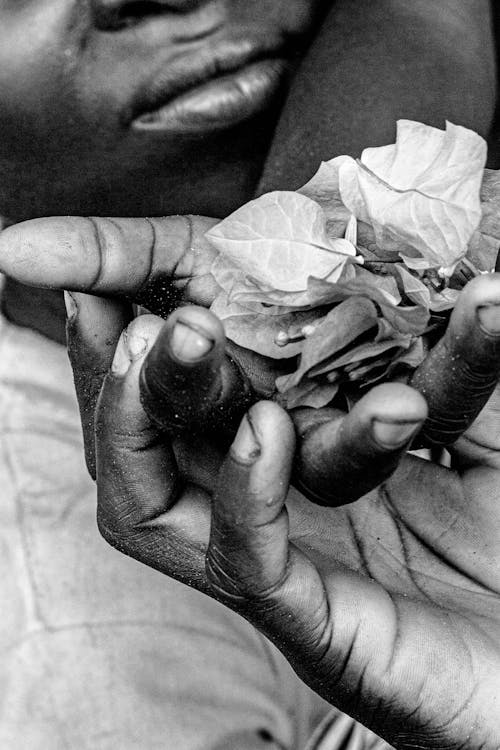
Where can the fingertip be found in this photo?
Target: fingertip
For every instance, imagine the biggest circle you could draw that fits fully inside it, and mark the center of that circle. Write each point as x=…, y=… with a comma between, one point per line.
x=263, y=452
x=14, y=241
x=180, y=380
x=193, y=334
x=483, y=289
x=395, y=413
x=395, y=401
x=66, y=240
x=246, y=447
x=254, y=480
x=343, y=458
x=272, y=425
x=134, y=343
x=71, y=304
x=477, y=307
x=265, y=426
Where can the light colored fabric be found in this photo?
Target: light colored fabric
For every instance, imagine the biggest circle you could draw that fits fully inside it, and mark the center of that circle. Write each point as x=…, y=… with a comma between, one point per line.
x=97, y=651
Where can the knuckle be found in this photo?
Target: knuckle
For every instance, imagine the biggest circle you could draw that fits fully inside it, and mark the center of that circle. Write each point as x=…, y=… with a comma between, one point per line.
x=119, y=521
x=477, y=377
x=238, y=584
x=94, y=247
x=110, y=531
x=223, y=586
x=169, y=241
x=441, y=431
x=465, y=362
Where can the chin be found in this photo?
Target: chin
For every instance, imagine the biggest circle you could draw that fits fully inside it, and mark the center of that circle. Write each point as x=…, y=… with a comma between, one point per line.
x=209, y=177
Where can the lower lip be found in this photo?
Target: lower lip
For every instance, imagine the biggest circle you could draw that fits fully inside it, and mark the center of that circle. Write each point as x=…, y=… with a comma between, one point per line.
x=219, y=103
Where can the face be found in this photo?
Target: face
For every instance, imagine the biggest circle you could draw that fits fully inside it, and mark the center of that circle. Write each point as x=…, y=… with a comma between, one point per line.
x=130, y=107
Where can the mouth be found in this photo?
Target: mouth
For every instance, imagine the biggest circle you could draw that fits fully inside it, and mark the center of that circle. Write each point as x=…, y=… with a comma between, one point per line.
x=212, y=90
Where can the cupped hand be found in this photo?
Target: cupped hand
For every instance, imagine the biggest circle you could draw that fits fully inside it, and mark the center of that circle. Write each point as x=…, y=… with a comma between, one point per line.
x=388, y=607
x=161, y=263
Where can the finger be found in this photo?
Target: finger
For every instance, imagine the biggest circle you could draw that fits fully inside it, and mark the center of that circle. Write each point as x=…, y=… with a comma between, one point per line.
x=154, y=262
x=141, y=495
x=248, y=547
x=250, y=565
x=93, y=328
x=340, y=458
x=461, y=372
x=187, y=381
x=346, y=636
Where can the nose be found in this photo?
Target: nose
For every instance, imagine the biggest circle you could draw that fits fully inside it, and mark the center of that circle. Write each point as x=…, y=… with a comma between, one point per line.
x=111, y=15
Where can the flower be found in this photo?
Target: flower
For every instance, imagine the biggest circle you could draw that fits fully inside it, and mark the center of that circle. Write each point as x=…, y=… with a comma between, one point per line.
x=340, y=280
x=421, y=195
x=279, y=240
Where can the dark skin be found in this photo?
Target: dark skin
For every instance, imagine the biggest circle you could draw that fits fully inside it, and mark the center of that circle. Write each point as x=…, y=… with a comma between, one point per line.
x=70, y=72
x=388, y=607
x=365, y=77
x=420, y=554
x=71, y=75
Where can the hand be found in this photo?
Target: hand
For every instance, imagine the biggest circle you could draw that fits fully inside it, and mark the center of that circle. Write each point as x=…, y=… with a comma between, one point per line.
x=389, y=607
x=429, y=540
x=160, y=263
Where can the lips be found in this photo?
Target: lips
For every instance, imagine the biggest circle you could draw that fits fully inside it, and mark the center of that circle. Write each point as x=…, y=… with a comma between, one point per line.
x=212, y=89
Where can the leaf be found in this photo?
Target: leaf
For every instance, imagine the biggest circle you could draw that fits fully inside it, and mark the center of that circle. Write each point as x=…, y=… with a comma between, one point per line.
x=308, y=393
x=323, y=188
x=421, y=194
x=411, y=358
x=364, y=351
x=279, y=240
x=446, y=299
x=343, y=325
x=483, y=250
x=260, y=332
x=294, y=300
x=414, y=289
x=403, y=319
x=371, y=373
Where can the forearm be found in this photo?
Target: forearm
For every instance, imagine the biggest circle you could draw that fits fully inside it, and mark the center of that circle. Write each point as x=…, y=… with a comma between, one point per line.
x=375, y=62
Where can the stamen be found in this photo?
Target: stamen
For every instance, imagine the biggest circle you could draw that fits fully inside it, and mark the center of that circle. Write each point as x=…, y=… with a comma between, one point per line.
x=351, y=231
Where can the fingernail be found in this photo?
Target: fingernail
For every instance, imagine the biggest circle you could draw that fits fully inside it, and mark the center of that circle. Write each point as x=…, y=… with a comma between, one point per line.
x=394, y=434
x=245, y=444
x=497, y=262
x=130, y=348
x=189, y=344
x=71, y=306
x=489, y=318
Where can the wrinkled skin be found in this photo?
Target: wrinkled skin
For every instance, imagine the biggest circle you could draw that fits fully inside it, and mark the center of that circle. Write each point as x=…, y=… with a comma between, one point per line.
x=388, y=607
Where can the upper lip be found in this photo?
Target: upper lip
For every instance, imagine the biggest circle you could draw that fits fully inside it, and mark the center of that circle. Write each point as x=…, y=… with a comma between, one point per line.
x=193, y=68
